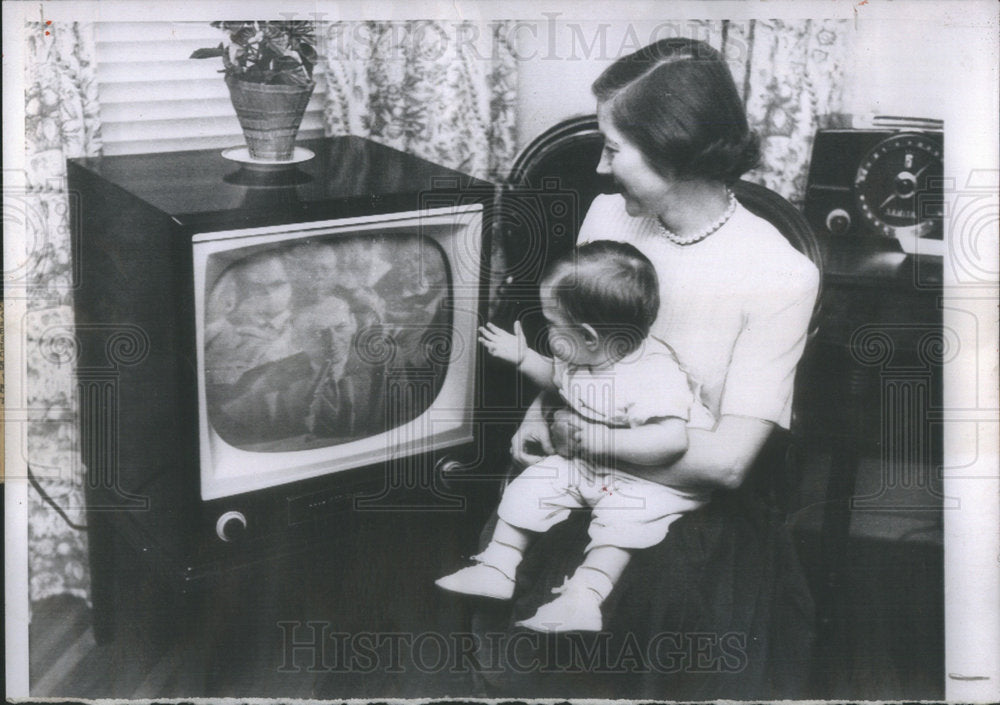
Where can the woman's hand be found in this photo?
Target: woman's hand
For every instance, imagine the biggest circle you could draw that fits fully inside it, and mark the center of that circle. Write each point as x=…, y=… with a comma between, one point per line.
x=532, y=441
x=511, y=347
x=565, y=431
x=575, y=436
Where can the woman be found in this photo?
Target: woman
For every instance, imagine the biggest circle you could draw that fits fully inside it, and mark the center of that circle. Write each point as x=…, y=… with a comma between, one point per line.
x=718, y=609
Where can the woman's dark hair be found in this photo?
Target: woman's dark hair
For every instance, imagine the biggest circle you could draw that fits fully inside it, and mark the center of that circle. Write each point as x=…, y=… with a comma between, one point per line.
x=676, y=101
x=611, y=286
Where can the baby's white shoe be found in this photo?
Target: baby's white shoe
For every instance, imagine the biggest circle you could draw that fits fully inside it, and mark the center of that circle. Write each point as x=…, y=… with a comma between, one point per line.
x=577, y=608
x=481, y=579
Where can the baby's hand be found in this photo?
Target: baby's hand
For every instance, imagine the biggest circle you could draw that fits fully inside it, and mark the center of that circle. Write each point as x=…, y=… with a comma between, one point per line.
x=506, y=346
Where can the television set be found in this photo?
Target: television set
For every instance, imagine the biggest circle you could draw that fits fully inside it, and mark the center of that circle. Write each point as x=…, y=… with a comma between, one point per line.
x=262, y=351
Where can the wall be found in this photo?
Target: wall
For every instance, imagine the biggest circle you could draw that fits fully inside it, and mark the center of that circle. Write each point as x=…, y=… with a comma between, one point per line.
x=901, y=68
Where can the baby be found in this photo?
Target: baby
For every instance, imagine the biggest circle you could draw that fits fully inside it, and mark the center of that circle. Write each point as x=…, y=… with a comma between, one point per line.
x=599, y=303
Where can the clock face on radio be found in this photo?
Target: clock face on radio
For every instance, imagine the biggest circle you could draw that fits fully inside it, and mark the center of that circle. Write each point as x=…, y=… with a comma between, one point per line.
x=898, y=186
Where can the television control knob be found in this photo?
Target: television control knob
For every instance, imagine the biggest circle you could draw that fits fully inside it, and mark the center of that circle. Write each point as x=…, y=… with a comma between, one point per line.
x=838, y=221
x=448, y=466
x=231, y=526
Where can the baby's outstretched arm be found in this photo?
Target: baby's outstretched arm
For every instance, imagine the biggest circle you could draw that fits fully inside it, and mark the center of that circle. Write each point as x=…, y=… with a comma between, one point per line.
x=513, y=348
x=510, y=347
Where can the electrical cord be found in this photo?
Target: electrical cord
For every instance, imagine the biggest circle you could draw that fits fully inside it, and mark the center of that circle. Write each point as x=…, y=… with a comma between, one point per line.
x=51, y=502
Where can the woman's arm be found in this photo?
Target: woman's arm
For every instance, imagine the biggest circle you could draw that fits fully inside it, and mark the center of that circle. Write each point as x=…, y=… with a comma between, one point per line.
x=657, y=442
x=715, y=459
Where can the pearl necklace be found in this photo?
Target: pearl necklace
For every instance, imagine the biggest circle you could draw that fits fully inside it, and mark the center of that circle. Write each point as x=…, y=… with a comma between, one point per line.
x=704, y=232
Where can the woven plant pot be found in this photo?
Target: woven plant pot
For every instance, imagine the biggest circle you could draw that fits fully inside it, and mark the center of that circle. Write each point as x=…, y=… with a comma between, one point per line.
x=270, y=116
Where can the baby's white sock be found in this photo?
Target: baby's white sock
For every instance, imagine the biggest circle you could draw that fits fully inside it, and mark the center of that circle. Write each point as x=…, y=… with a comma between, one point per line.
x=501, y=556
x=593, y=579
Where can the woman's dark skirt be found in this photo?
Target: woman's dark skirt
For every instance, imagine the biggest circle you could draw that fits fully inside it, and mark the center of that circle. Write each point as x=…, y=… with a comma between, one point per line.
x=718, y=610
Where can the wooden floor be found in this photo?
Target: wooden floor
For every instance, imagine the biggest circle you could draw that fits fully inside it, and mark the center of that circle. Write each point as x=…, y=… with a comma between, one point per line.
x=887, y=643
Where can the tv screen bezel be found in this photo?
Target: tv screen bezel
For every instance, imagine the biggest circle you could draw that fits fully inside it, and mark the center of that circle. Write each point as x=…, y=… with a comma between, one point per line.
x=446, y=423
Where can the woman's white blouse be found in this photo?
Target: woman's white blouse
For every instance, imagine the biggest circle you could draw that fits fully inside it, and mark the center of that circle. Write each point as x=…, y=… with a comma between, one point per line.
x=735, y=307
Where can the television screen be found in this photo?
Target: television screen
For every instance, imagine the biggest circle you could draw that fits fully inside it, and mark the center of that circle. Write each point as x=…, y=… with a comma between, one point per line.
x=304, y=340
x=317, y=343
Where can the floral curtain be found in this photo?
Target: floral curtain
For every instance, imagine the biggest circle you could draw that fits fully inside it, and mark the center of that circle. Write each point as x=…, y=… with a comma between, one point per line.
x=61, y=121
x=790, y=74
x=444, y=91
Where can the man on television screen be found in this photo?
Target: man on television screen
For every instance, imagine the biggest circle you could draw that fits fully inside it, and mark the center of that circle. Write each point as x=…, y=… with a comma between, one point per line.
x=323, y=394
x=248, y=324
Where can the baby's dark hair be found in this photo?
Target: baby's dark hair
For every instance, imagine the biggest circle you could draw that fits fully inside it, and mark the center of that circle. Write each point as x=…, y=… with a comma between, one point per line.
x=609, y=285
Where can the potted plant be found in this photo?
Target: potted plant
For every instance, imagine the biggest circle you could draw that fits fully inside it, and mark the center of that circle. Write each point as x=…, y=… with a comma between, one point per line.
x=269, y=72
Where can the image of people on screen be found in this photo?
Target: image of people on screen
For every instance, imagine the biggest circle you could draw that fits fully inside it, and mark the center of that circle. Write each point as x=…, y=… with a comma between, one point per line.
x=348, y=267
x=323, y=341
x=414, y=291
x=361, y=264
x=248, y=318
x=321, y=394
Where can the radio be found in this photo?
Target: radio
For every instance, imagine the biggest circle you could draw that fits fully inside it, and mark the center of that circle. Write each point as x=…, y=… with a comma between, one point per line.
x=883, y=181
